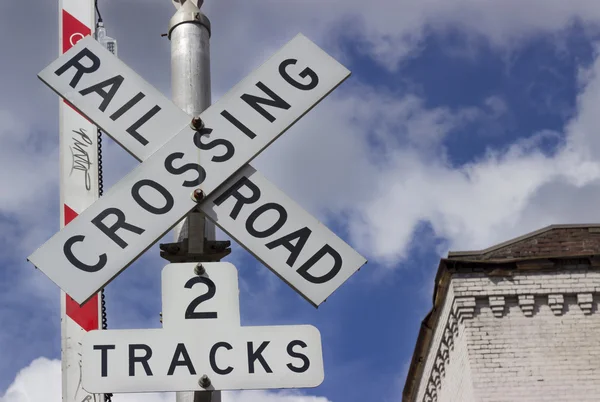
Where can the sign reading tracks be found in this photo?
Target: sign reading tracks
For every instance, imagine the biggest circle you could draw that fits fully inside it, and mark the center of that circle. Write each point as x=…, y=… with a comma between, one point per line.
x=201, y=337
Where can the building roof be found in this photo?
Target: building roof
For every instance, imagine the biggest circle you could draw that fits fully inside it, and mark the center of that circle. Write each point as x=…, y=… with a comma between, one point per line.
x=538, y=250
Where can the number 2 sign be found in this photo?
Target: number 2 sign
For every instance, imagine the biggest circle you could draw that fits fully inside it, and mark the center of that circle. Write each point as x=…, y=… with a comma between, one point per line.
x=202, y=336
x=193, y=298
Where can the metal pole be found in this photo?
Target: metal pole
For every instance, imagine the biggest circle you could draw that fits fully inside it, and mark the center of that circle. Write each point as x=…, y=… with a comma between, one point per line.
x=78, y=190
x=189, y=32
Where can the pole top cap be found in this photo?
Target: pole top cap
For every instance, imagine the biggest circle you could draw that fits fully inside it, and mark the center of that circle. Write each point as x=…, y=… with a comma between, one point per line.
x=188, y=12
x=179, y=3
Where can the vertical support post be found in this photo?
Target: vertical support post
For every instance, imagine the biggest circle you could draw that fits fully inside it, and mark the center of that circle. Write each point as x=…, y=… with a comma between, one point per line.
x=189, y=32
x=78, y=154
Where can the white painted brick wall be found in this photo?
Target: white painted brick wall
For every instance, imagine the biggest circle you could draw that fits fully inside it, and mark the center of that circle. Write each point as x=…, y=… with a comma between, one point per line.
x=531, y=337
x=456, y=385
x=539, y=358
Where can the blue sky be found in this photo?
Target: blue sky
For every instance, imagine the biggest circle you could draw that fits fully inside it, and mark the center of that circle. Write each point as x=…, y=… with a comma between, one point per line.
x=464, y=124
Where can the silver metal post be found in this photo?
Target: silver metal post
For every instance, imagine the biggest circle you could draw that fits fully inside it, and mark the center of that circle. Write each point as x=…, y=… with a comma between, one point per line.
x=189, y=32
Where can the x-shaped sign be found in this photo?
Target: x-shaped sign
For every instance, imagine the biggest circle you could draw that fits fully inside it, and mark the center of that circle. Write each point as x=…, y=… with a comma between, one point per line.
x=179, y=159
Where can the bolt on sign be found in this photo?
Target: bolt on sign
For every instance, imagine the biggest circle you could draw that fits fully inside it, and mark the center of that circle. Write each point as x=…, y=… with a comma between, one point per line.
x=226, y=357
x=178, y=159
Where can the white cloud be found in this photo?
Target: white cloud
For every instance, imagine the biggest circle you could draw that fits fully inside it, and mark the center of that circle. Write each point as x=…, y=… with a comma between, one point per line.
x=376, y=162
x=24, y=155
x=41, y=382
x=389, y=30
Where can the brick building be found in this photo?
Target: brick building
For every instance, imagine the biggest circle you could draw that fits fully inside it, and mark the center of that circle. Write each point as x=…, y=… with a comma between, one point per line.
x=515, y=322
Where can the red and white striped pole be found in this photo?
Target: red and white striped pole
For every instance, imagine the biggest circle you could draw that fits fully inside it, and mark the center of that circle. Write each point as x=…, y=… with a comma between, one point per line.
x=78, y=190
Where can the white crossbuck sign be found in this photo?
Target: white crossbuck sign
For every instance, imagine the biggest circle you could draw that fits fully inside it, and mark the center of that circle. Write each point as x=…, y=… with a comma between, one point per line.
x=177, y=159
x=202, y=345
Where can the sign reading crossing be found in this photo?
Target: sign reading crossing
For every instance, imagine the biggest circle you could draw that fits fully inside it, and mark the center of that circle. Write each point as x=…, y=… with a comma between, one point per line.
x=137, y=211
x=340, y=260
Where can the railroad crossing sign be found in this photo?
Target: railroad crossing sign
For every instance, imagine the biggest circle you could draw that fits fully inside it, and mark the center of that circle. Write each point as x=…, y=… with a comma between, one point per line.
x=226, y=357
x=177, y=159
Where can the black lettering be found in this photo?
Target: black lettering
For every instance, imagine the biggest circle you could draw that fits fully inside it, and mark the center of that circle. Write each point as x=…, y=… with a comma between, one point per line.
x=139, y=359
x=241, y=200
x=337, y=265
x=133, y=130
x=114, y=83
x=180, y=350
x=169, y=201
x=238, y=124
x=111, y=232
x=81, y=69
x=252, y=356
x=286, y=241
x=104, y=357
x=290, y=350
x=215, y=143
x=258, y=212
x=307, y=72
x=213, y=358
x=131, y=103
x=188, y=166
x=77, y=263
x=275, y=101
x=190, y=311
